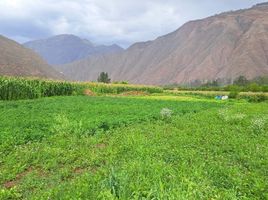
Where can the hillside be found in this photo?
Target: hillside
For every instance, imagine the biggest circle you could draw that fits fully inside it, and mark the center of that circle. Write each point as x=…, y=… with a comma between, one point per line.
x=16, y=60
x=62, y=49
x=222, y=46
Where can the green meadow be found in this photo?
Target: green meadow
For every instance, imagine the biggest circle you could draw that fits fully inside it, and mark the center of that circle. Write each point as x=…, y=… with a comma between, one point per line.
x=133, y=147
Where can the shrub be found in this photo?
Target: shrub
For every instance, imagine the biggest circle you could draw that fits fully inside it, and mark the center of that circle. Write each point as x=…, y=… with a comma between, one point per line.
x=233, y=94
x=257, y=98
x=253, y=87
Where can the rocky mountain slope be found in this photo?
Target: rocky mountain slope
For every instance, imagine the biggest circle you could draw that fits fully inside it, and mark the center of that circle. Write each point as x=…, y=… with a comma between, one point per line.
x=16, y=60
x=62, y=49
x=222, y=46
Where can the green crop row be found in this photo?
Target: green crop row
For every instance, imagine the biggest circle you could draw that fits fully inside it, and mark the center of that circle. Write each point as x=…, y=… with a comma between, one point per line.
x=102, y=88
x=12, y=88
x=20, y=88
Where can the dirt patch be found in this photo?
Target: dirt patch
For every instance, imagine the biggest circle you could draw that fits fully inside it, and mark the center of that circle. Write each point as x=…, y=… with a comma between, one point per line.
x=13, y=183
x=101, y=145
x=94, y=169
x=88, y=92
x=79, y=170
x=10, y=184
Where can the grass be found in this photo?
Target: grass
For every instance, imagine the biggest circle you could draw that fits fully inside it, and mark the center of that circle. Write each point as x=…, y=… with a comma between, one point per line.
x=121, y=148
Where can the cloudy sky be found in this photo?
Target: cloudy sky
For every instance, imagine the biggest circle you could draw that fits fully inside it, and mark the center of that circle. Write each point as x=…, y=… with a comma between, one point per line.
x=105, y=21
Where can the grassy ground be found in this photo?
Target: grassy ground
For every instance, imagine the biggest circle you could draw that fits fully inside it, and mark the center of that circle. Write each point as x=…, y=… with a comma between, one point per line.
x=122, y=148
x=215, y=93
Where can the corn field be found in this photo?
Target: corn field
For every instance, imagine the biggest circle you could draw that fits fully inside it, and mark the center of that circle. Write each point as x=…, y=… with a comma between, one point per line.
x=21, y=88
x=102, y=88
x=12, y=88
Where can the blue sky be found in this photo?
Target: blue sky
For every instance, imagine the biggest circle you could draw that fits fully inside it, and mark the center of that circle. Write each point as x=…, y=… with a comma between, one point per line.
x=106, y=21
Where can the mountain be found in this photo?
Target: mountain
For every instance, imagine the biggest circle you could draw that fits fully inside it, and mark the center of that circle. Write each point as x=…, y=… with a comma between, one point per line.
x=62, y=49
x=222, y=46
x=16, y=60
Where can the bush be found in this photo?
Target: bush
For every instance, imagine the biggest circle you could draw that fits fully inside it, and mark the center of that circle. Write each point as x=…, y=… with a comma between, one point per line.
x=253, y=87
x=233, y=94
x=257, y=98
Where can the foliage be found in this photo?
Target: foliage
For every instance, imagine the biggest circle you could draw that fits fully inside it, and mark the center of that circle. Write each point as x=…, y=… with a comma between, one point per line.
x=104, y=78
x=101, y=88
x=234, y=94
x=257, y=98
x=210, y=150
x=241, y=81
x=20, y=88
x=121, y=82
x=258, y=84
x=166, y=113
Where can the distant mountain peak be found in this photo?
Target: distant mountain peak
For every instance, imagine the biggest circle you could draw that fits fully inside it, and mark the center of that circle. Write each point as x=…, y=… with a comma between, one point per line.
x=67, y=48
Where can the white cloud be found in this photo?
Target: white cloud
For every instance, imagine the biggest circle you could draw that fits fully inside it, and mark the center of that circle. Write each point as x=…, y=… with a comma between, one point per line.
x=105, y=21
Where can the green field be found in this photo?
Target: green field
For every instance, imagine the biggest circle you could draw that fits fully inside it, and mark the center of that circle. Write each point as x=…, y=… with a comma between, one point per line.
x=81, y=147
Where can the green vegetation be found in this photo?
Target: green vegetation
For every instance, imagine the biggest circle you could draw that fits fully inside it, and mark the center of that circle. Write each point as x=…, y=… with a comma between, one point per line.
x=258, y=84
x=146, y=147
x=18, y=88
x=21, y=88
x=104, y=78
x=101, y=88
x=157, y=145
x=121, y=82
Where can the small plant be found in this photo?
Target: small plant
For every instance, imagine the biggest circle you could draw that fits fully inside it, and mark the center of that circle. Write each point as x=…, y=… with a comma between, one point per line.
x=166, y=113
x=227, y=116
x=258, y=125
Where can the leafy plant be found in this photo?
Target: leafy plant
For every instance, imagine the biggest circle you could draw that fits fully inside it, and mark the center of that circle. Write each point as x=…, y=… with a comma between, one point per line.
x=257, y=98
x=166, y=113
x=234, y=92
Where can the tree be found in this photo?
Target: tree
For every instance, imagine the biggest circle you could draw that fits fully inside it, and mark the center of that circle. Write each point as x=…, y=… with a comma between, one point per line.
x=241, y=81
x=104, y=78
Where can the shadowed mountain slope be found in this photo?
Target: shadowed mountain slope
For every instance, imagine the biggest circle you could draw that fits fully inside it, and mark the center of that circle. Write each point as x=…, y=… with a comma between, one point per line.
x=16, y=60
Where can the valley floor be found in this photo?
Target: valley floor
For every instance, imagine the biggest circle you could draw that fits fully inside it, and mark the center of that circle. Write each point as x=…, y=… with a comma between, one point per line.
x=126, y=148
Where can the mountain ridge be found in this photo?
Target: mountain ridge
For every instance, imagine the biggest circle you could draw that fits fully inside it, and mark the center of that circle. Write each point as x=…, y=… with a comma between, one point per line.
x=16, y=60
x=222, y=46
x=67, y=48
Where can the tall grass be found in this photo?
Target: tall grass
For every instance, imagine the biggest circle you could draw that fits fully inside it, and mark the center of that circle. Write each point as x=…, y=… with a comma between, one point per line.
x=102, y=88
x=21, y=88
x=12, y=88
